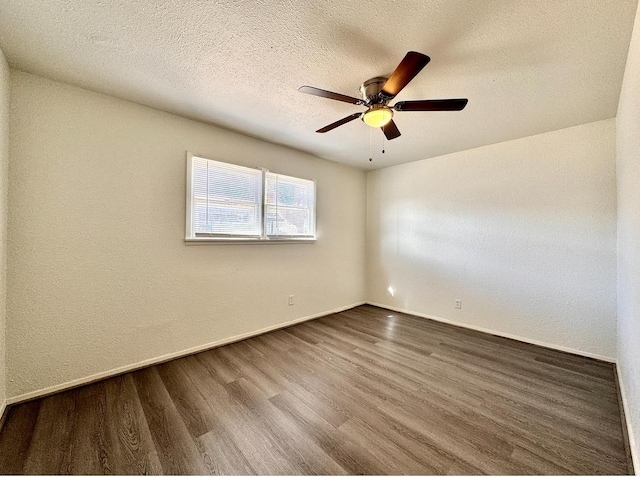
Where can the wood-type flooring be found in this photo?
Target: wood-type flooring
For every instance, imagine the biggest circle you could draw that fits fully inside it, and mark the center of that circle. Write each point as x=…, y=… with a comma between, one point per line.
x=365, y=391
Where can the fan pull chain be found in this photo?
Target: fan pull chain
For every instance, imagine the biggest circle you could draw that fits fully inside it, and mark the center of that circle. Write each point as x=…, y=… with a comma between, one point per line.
x=370, y=144
x=383, y=144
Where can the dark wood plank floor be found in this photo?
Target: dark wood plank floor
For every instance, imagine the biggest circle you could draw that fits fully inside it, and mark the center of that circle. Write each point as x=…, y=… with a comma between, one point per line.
x=364, y=391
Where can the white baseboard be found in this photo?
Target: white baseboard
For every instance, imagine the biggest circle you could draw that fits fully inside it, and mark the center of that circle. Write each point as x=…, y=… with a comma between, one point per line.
x=627, y=413
x=498, y=333
x=167, y=357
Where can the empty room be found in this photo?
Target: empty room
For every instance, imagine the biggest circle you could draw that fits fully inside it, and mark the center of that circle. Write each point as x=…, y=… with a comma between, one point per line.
x=332, y=237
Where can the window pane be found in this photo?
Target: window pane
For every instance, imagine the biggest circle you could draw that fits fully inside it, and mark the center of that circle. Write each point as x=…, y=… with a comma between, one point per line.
x=289, y=191
x=290, y=206
x=224, y=184
x=227, y=199
x=282, y=221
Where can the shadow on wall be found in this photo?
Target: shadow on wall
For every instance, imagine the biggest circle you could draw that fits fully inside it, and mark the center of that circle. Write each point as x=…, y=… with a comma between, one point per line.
x=528, y=246
x=484, y=252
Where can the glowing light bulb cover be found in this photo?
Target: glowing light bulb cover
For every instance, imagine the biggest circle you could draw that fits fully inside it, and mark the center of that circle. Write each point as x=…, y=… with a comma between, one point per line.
x=378, y=117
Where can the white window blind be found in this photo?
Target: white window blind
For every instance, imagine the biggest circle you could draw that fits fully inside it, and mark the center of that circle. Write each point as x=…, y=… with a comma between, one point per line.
x=229, y=202
x=290, y=206
x=227, y=199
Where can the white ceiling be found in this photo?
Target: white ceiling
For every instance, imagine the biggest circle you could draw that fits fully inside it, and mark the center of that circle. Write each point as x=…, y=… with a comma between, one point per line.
x=526, y=66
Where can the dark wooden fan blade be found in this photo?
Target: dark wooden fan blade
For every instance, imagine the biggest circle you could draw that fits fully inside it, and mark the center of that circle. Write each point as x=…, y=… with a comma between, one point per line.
x=329, y=94
x=390, y=130
x=432, y=105
x=408, y=68
x=339, y=123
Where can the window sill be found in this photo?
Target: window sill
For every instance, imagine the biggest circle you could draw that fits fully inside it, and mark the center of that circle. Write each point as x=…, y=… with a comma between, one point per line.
x=226, y=241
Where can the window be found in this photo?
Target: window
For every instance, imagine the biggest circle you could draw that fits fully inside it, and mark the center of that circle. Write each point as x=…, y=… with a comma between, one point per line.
x=226, y=202
x=289, y=206
x=226, y=199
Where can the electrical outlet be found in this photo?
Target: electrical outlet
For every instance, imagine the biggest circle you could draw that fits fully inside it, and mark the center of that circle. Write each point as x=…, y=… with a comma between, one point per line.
x=290, y=300
x=459, y=304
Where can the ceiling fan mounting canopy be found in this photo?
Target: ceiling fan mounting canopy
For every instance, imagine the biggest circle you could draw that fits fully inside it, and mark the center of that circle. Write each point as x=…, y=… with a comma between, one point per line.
x=370, y=89
x=379, y=91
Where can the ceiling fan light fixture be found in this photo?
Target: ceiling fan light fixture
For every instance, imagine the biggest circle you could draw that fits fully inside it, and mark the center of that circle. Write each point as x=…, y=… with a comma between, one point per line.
x=377, y=92
x=377, y=116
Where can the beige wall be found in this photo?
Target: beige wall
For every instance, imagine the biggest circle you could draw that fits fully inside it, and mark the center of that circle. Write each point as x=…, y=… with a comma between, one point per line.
x=628, y=164
x=4, y=169
x=523, y=232
x=99, y=274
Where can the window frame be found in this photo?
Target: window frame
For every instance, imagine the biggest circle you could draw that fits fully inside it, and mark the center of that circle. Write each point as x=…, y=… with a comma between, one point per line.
x=190, y=237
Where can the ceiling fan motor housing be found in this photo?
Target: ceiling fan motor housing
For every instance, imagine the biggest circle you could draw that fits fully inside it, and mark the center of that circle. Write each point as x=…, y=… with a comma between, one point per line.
x=371, y=88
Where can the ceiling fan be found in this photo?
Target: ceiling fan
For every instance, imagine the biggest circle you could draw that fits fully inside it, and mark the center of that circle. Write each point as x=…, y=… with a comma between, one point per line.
x=379, y=91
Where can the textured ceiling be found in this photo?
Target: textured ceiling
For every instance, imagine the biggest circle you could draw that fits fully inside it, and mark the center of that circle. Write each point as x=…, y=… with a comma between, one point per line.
x=526, y=66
